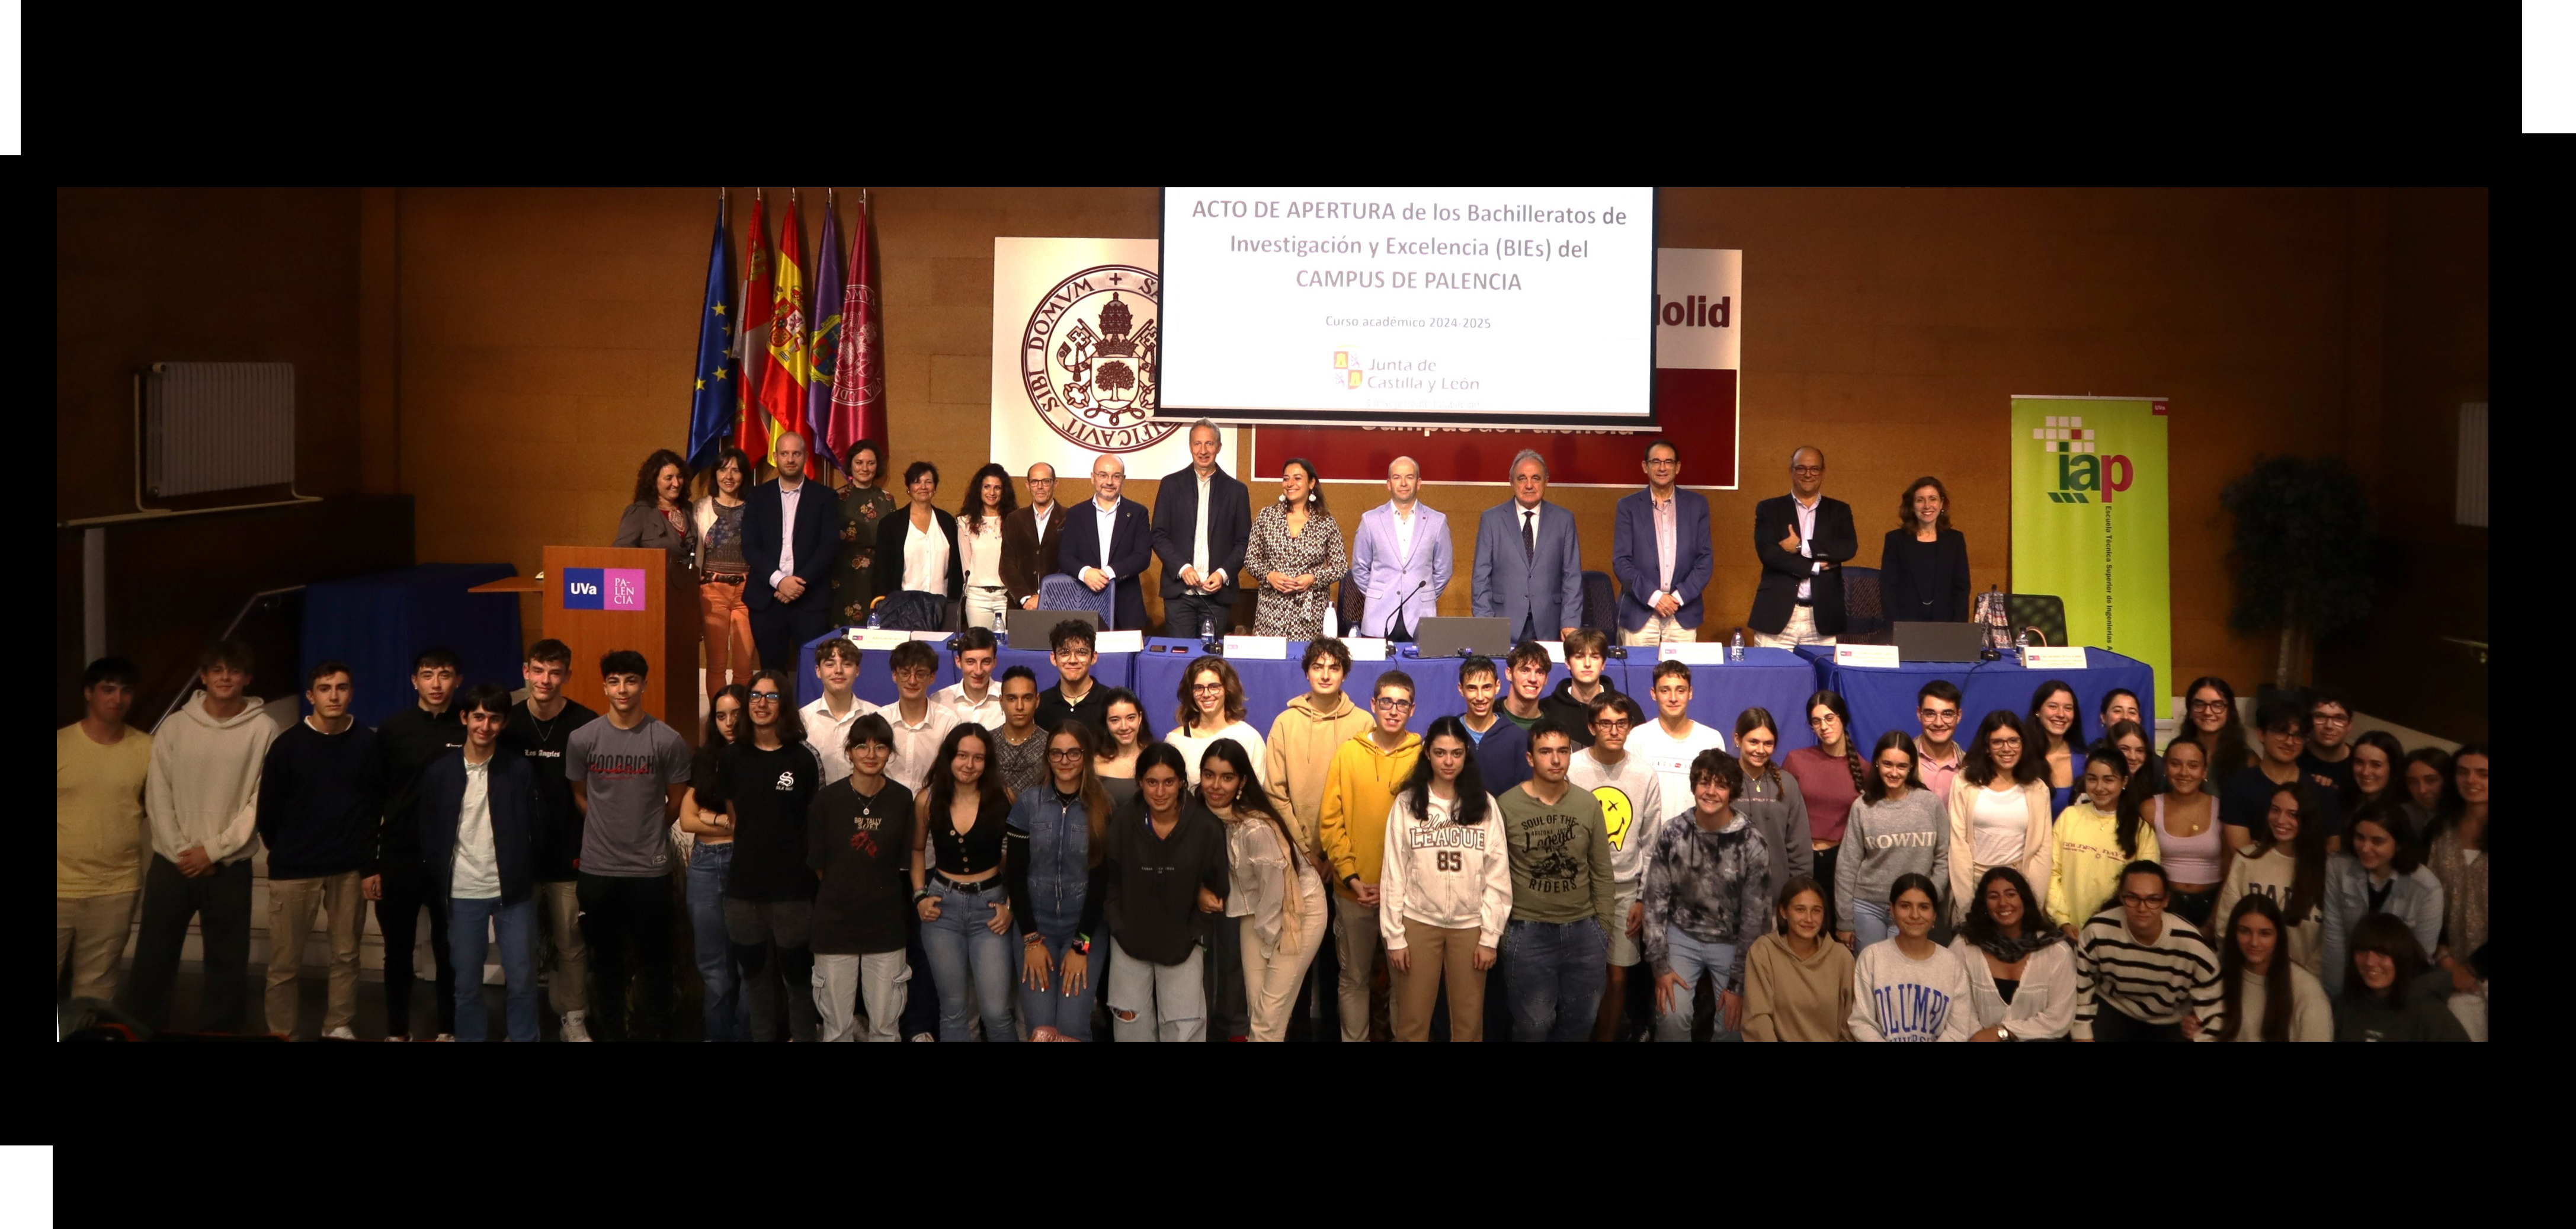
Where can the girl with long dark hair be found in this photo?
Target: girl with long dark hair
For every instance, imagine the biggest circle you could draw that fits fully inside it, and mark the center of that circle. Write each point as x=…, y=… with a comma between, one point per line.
x=1909, y=988
x=1445, y=887
x=2021, y=969
x=1830, y=776
x=1057, y=839
x=2211, y=719
x=1998, y=811
x=1277, y=898
x=2093, y=839
x=2263, y=995
x=2288, y=864
x=1167, y=874
x=728, y=1013
x=979, y=538
x=1797, y=981
x=964, y=815
x=1896, y=827
x=2185, y=817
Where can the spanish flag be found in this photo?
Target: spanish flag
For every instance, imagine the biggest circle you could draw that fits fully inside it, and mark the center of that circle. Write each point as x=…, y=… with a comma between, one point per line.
x=782, y=387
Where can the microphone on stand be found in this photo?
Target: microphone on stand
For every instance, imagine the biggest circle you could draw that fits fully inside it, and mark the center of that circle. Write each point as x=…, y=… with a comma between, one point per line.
x=1396, y=630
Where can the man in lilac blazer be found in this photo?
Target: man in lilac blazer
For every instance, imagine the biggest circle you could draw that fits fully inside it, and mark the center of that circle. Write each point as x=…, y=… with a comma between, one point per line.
x=1659, y=592
x=1400, y=560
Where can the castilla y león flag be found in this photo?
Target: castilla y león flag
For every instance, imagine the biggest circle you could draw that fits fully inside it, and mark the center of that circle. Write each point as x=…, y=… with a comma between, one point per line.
x=750, y=426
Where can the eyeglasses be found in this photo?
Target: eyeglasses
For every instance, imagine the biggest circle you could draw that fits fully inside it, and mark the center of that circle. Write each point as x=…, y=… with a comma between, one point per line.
x=1999, y=744
x=1821, y=720
x=1207, y=686
x=2133, y=899
x=1935, y=716
x=1064, y=753
x=2208, y=706
x=1394, y=705
x=1611, y=723
x=770, y=696
x=1662, y=462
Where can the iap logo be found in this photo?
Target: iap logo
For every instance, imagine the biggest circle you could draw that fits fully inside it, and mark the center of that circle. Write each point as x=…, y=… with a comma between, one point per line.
x=603, y=588
x=2080, y=467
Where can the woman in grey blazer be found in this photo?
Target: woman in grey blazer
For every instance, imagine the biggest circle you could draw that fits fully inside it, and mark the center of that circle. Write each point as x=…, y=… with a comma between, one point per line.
x=657, y=520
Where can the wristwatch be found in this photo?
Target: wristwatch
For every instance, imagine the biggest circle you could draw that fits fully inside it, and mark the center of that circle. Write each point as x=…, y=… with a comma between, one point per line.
x=2004, y=1033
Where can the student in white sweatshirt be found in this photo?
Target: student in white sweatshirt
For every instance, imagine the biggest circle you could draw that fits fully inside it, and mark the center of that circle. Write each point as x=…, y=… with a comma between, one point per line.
x=1909, y=988
x=1210, y=707
x=1445, y=887
x=2021, y=969
x=200, y=796
x=2263, y=995
x=1632, y=806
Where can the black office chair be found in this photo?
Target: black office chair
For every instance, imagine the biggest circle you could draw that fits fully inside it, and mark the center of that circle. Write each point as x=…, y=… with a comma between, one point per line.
x=1864, y=614
x=1600, y=605
x=1351, y=603
x=2042, y=613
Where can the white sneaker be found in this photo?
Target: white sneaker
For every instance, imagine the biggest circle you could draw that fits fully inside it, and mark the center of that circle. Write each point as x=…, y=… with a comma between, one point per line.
x=923, y=1037
x=399, y=1037
x=446, y=1037
x=342, y=1033
x=573, y=1028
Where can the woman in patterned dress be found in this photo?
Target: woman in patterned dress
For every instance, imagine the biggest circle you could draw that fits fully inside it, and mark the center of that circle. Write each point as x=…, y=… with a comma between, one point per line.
x=1296, y=555
x=862, y=503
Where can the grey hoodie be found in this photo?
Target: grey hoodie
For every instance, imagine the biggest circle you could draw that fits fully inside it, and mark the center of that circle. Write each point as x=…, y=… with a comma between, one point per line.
x=1885, y=839
x=205, y=776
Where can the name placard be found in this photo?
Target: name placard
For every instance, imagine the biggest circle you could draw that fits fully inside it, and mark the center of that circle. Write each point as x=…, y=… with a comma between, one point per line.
x=1257, y=648
x=1366, y=648
x=1555, y=650
x=942, y=637
x=1694, y=652
x=879, y=637
x=1877, y=655
x=2055, y=659
x=1118, y=642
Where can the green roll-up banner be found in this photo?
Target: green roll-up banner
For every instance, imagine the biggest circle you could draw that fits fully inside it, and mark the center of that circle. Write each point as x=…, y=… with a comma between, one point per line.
x=2088, y=523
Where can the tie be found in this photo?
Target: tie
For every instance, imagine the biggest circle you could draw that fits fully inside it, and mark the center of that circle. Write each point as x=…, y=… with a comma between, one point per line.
x=1529, y=538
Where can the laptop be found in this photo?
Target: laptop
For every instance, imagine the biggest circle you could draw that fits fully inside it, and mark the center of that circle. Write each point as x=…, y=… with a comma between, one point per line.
x=1030, y=629
x=1447, y=637
x=1939, y=641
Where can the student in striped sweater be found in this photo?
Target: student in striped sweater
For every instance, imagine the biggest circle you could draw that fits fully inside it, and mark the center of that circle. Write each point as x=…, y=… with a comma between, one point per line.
x=2139, y=972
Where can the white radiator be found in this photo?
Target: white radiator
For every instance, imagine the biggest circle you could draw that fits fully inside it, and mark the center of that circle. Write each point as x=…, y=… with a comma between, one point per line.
x=218, y=426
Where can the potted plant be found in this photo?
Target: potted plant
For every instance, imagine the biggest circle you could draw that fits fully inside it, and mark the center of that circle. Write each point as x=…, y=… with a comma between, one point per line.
x=2305, y=560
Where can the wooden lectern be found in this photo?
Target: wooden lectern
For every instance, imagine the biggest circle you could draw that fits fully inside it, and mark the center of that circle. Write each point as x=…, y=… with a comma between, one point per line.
x=599, y=599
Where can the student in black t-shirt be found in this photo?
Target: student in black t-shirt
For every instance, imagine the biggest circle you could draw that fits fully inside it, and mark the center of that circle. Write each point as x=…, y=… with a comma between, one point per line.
x=1076, y=694
x=765, y=784
x=725, y=1009
x=859, y=841
x=2243, y=799
x=398, y=879
x=538, y=731
x=2328, y=757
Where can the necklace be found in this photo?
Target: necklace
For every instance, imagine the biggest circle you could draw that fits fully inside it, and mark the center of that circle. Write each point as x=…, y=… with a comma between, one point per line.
x=545, y=732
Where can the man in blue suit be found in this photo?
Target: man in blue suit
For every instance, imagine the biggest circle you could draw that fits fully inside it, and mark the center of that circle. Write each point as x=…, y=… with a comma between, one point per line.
x=1659, y=550
x=1109, y=541
x=789, y=541
x=1400, y=557
x=1529, y=561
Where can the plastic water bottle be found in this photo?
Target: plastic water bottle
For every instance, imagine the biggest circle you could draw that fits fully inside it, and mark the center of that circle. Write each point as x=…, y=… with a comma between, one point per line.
x=1735, y=648
x=1207, y=627
x=2021, y=646
x=872, y=617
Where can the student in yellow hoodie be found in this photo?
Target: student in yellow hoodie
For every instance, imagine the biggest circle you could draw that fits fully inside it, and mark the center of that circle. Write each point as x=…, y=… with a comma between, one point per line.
x=1303, y=740
x=1359, y=789
x=2095, y=840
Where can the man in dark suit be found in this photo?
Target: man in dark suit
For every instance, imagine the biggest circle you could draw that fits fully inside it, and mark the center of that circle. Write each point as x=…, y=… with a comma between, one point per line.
x=1109, y=541
x=1202, y=524
x=788, y=539
x=1659, y=551
x=1030, y=537
x=1803, y=539
x=1529, y=560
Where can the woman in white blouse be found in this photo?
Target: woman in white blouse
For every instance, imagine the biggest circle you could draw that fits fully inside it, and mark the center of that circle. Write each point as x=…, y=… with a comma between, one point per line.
x=2021, y=970
x=979, y=535
x=921, y=542
x=1211, y=707
x=1999, y=813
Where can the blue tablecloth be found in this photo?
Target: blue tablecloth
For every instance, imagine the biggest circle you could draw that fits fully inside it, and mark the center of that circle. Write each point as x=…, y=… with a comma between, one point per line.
x=876, y=681
x=380, y=621
x=1882, y=699
x=1771, y=678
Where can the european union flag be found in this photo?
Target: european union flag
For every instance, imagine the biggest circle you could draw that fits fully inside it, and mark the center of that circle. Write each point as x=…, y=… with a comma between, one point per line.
x=711, y=406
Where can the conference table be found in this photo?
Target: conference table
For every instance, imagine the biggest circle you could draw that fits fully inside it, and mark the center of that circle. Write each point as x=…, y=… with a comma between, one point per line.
x=1775, y=679
x=876, y=679
x=1882, y=697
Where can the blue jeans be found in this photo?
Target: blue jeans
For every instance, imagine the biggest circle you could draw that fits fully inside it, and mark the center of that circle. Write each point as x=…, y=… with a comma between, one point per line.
x=1870, y=923
x=1068, y=1014
x=1692, y=959
x=728, y=1013
x=962, y=937
x=1555, y=973
x=466, y=920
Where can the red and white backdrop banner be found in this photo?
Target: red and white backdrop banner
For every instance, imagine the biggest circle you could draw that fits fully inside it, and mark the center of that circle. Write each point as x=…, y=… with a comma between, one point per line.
x=1076, y=341
x=1698, y=310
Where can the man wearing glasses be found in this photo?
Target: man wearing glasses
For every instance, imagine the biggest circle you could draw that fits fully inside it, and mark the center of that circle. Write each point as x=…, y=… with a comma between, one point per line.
x=1632, y=808
x=1359, y=789
x=2328, y=758
x=1936, y=750
x=1109, y=542
x=1660, y=553
x=1803, y=538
